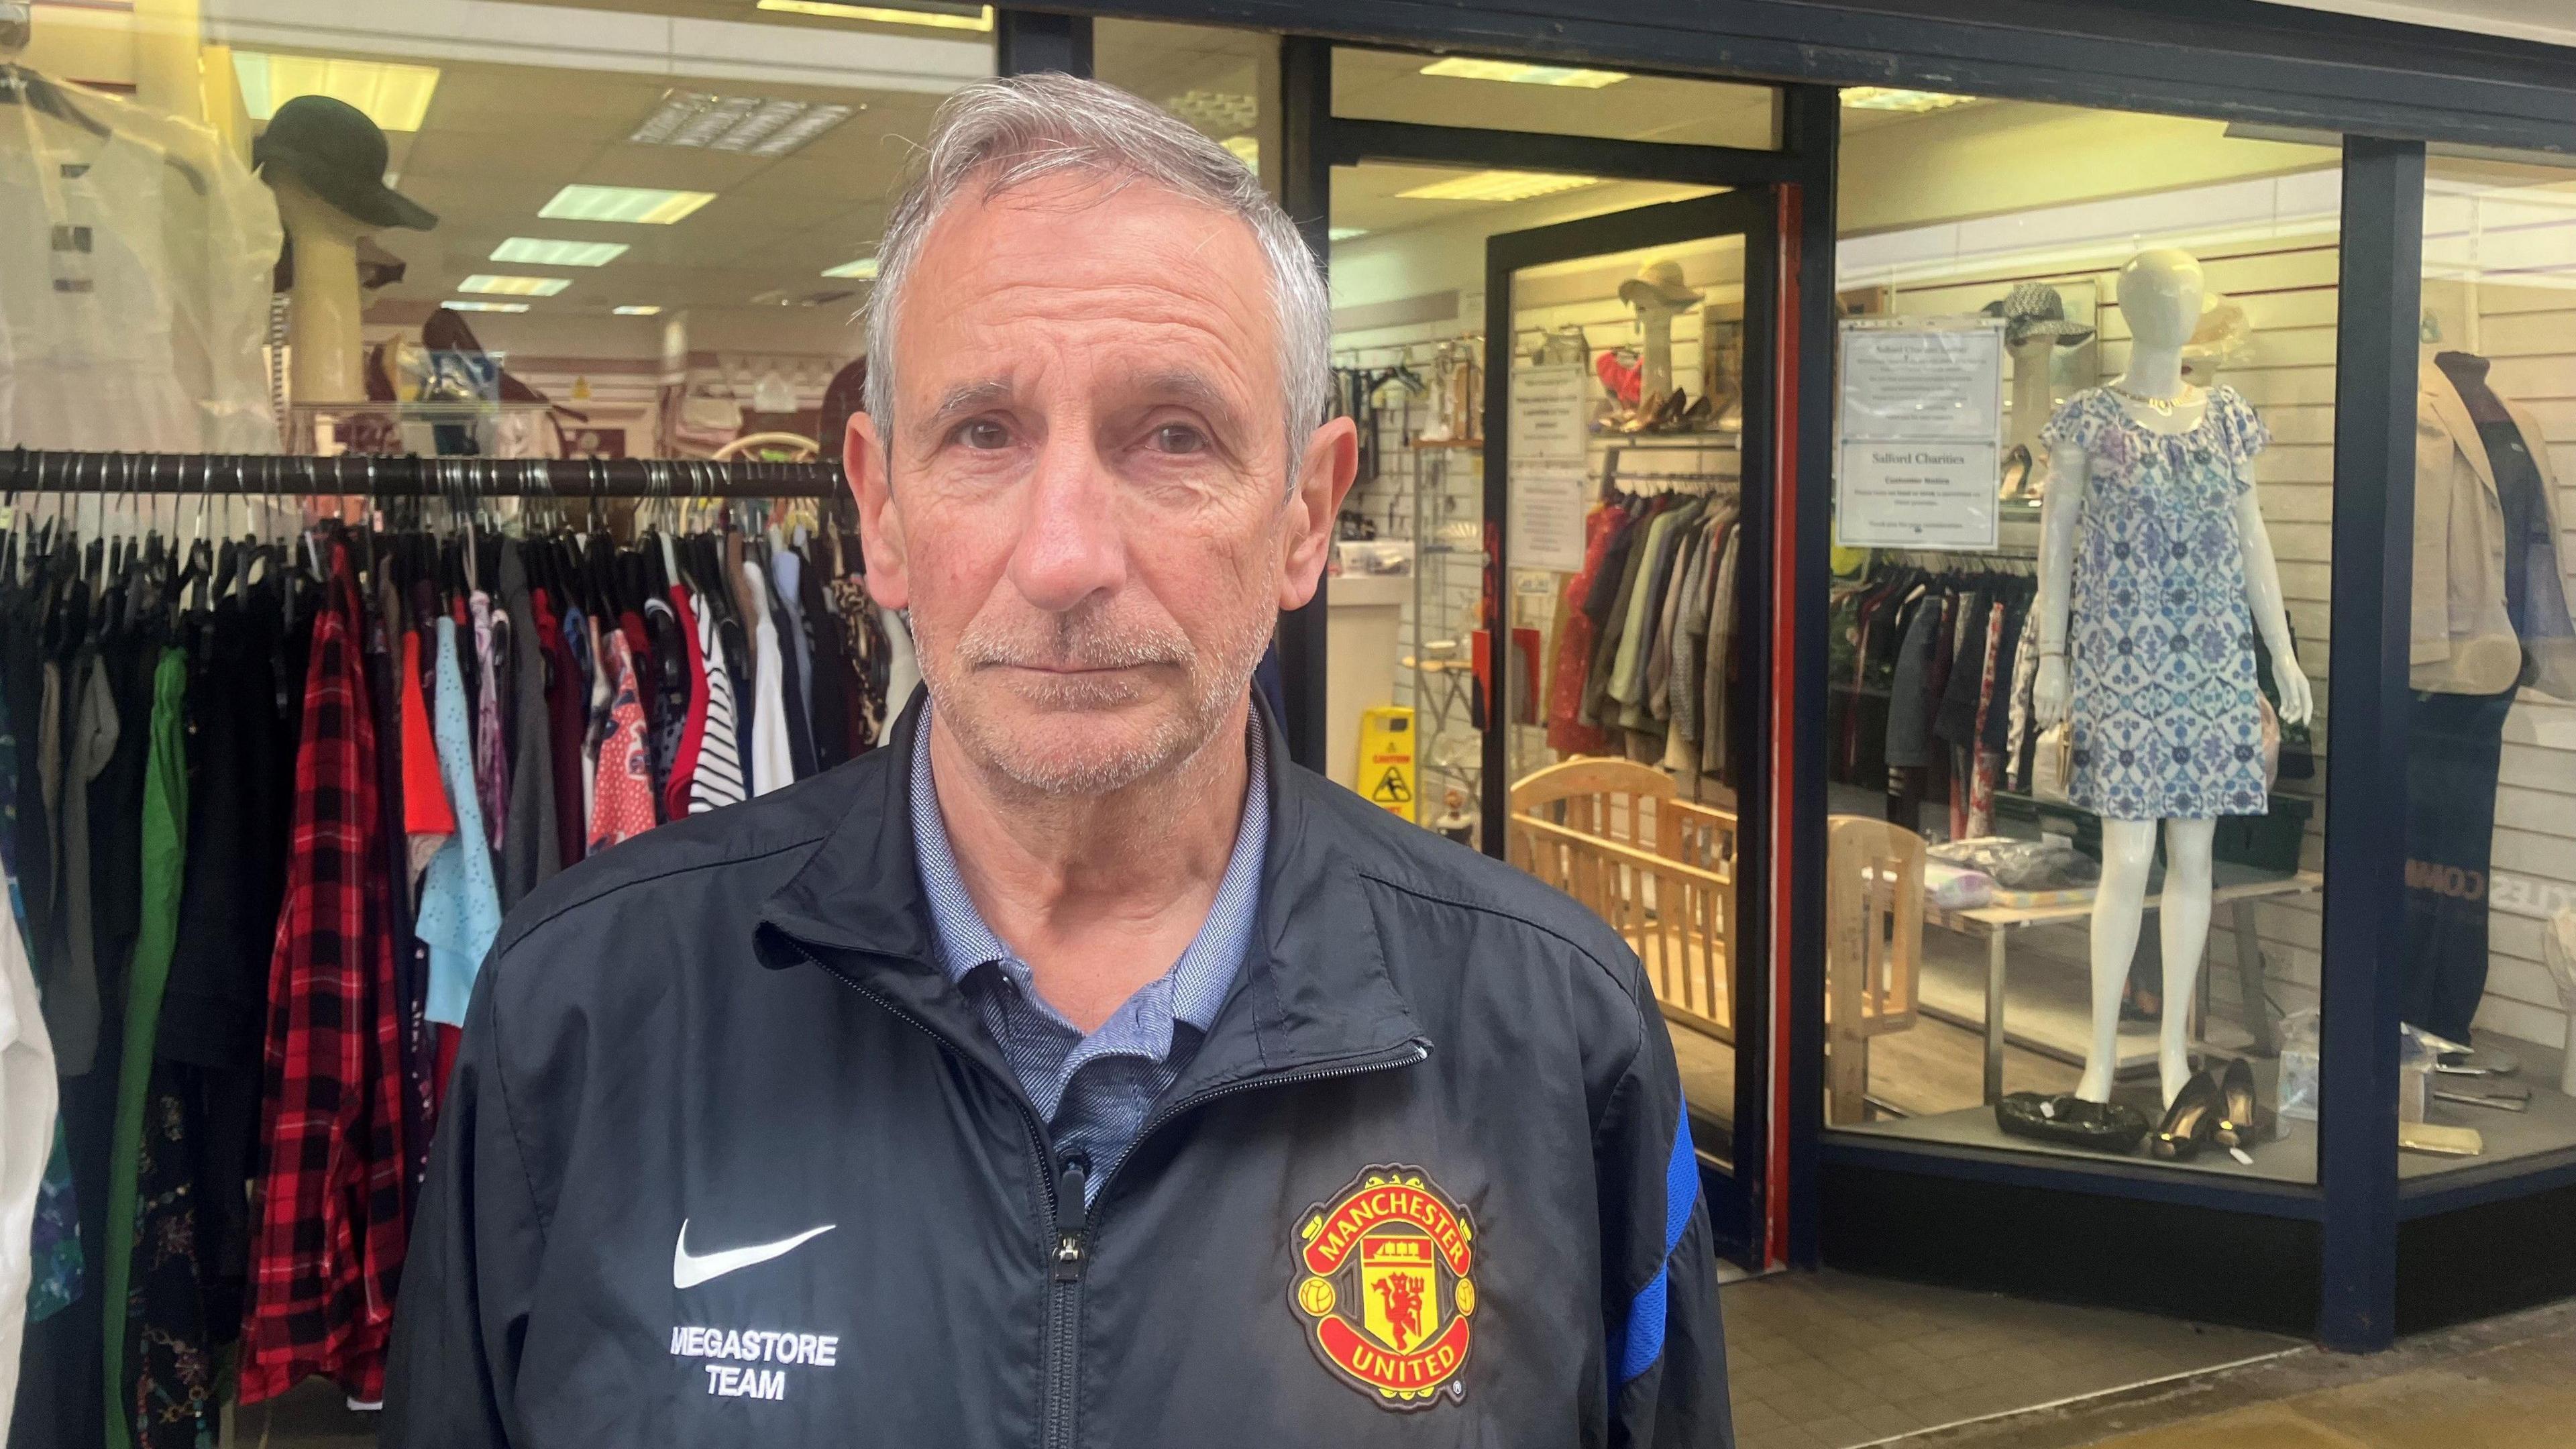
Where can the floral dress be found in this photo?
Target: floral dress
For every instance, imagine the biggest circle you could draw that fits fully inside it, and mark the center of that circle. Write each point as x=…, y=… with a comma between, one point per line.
x=2165, y=713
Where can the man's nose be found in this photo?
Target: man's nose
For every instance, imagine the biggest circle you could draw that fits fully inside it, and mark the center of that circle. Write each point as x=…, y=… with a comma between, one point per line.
x=1069, y=546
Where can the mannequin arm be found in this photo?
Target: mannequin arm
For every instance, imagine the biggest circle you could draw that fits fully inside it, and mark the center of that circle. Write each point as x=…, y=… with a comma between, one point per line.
x=2263, y=598
x=2070, y=472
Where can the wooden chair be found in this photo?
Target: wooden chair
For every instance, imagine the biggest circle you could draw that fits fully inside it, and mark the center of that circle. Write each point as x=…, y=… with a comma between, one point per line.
x=1659, y=870
x=1873, y=948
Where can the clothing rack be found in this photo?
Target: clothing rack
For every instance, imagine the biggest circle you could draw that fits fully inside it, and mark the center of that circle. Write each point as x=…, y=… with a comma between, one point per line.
x=24, y=470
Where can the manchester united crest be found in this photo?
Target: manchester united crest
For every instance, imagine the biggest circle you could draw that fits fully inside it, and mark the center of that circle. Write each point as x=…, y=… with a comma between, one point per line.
x=1384, y=1282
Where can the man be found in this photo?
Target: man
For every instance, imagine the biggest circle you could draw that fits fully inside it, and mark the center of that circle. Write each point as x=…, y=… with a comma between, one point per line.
x=1072, y=1071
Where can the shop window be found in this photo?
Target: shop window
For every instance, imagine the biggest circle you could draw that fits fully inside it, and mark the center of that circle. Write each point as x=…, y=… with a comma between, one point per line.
x=580, y=239
x=1223, y=82
x=2076, y=742
x=2489, y=948
x=1486, y=93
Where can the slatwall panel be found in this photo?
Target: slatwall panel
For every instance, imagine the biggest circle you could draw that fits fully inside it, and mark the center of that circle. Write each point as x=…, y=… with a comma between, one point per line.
x=2287, y=286
x=2501, y=267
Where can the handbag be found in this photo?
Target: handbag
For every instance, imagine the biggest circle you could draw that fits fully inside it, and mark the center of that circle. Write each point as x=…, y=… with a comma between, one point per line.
x=2271, y=732
x=2052, y=763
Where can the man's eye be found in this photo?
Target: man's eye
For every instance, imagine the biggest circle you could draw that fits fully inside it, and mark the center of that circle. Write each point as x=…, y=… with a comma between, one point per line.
x=984, y=433
x=1179, y=438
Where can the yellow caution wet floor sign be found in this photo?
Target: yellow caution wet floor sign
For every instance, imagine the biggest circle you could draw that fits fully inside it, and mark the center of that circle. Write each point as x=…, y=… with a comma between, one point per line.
x=1386, y=758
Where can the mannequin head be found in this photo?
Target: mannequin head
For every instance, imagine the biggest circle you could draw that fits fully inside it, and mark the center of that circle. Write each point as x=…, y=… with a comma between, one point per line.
x=309, y=218
x=2160, y=296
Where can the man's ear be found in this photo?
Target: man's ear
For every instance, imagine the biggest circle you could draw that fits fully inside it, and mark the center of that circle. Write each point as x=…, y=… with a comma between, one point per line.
x=1324, y=477
x=864, y=464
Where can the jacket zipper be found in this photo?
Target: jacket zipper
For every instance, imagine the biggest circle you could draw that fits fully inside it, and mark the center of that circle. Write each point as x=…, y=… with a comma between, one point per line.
x=1068, y=1209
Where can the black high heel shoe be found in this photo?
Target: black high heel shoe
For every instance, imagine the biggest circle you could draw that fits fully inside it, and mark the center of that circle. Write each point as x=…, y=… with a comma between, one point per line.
x=2190, y=1121
x=2238, y=1128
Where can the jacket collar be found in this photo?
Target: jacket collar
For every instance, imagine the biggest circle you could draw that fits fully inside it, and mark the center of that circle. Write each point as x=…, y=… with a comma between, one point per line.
x=1314, y=988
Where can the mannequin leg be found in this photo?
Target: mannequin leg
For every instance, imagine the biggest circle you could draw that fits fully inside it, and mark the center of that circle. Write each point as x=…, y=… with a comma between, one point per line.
x=2185, y=927
x=2128, y=849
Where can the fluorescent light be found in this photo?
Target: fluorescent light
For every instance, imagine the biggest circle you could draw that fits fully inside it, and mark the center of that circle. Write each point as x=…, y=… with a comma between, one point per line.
x=1344, y=233
x=1469, y=68
x=623, y=203
x=546, y=252
x=920, y=12
x=394, y=96
x=1888, y=98
x=514, y=286
x=753, y=124
x=1215, y=112
x=637, y=311
x=1499, y=186
x=1246, y=149
x=865, y=269
x=456, y=306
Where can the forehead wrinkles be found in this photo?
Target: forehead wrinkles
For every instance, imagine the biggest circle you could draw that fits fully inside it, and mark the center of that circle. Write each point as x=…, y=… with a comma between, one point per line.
x=1135, y=257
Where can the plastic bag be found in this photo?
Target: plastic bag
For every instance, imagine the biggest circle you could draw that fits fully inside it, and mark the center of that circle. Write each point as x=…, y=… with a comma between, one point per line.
x=2300, y=1056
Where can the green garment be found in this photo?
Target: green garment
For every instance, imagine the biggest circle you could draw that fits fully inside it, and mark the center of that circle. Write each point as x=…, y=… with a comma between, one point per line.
x=165, y=837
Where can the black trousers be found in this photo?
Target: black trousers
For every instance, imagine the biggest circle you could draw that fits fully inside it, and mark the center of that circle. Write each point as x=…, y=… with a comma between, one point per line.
x=2456, y=744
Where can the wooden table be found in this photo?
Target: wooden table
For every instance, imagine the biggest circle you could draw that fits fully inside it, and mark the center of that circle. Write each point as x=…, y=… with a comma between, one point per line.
x=1997, y=923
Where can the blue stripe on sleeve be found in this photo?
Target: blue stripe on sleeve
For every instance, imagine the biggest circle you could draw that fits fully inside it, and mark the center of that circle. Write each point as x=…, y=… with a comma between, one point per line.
x=1640, y=1340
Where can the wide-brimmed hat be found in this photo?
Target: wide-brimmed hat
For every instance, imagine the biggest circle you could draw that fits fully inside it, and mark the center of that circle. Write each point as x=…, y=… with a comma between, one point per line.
x=2033, y=309
x=2224, y=328
x=339, y=155
x=1659, y=283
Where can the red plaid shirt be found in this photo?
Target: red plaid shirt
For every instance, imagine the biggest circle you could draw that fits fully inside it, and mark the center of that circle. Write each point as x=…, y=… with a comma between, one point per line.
x=328, y=1234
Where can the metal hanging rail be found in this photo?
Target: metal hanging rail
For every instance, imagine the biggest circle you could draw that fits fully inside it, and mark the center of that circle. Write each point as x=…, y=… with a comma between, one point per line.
x=24, y=470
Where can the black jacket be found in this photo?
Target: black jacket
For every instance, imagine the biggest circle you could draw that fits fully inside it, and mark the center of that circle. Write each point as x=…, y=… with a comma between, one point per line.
x=1438, y=1111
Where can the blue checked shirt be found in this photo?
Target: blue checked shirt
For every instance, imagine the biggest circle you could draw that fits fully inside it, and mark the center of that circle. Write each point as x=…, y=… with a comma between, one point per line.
x=1093, y=1091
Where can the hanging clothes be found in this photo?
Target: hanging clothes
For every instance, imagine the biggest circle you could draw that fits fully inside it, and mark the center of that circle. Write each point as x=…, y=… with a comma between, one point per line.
x=624, y=795
x=171, y=1401
x=331, y=1228
x=28, y=1143
x=460, y=901
x=530, y=853
x=718, y=780
x=773, y=764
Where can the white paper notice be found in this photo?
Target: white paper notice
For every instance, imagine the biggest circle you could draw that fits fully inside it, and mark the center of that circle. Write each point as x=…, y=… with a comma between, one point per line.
x=1547, y=470
x=1920, y=433
x=1547, y=413
x=1547, y=515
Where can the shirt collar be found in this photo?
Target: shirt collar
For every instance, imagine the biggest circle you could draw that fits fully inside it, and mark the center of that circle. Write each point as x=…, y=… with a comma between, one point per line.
x=1198, y=983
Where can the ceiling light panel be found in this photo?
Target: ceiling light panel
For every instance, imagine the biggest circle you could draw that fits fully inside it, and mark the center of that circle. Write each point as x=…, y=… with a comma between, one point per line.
x=865, y=269
x=750, y=125
x=1469, y=68
x=549, y=252
x=1888, y=98
x=393, y=96
x=637, y=311
x=454, y=305
x=509, y=286
x=919, y=12
x=1499, y=186
x=1216, y=112
x=1245, y=149
x=643, y=204
x=1345, y=233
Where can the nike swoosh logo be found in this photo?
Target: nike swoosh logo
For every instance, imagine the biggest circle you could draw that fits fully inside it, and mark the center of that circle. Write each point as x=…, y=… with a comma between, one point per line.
x=688, y=1270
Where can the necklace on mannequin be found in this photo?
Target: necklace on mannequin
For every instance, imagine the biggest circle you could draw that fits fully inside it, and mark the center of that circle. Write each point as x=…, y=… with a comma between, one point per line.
x=2162, y=406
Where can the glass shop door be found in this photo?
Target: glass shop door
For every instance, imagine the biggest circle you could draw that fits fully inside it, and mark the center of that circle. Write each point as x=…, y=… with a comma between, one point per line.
x=1621, y=663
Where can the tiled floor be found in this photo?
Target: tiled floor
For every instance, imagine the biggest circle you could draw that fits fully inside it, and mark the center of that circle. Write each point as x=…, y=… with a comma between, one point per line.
x=1829, y=1360
x=2504, y=1383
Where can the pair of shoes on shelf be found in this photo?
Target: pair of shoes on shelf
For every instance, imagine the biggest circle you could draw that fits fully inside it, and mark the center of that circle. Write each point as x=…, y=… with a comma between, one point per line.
x=2213, y=1109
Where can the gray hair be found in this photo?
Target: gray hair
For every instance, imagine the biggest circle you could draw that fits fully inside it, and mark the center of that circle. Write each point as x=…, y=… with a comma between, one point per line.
x=1017, y=129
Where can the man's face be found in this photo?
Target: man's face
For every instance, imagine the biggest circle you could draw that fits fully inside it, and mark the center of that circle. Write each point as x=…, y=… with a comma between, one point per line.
x=1085, y=496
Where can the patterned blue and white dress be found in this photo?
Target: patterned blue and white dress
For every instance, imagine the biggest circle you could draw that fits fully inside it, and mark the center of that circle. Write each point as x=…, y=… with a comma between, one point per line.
x=2165, y=711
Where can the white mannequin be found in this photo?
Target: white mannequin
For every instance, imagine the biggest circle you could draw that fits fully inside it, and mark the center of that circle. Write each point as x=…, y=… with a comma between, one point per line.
x=323, y=307
x=2033, y=360
x=2160, y=295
